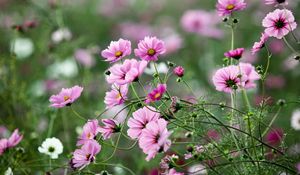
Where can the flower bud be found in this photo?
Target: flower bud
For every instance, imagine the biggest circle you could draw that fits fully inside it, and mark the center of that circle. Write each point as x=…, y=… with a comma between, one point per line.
x=179, y=71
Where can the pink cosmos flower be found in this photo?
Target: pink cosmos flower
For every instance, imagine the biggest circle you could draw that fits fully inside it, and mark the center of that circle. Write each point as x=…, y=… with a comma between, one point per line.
x=154, y=138
x=117, y=50
x=116, y=96
x=140, y=119
x=85, y=155
x=84, y=57
x=279, y=23
x=274, y=136
x=156, y=93
x=110, y=126
x=90, y=131
x=66, y=97
x=276, y=2
x=259, y=45
x=3, y=146
x=226, y=79
x=226, y=7
x=235, y=54
x=174, y=172
x=173, y=43
x=127, y=72
x=149, y=49
x=179, y=71
x=14, y=139
x=249, y=75
x=201, y=22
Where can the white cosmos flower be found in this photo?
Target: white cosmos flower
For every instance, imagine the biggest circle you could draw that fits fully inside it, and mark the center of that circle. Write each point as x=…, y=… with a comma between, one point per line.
x=8, y=171
x=52, y=147
x=67, y=68
x=161, y=68
x=22, y=47
x=295, y=120
x=60, y=35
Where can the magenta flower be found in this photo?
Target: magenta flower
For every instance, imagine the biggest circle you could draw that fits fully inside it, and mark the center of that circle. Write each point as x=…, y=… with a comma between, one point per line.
x=3, y=146
x=154, y=138
x=149, y=49
x=279, y=23
x=274, y=136
x=227, y=79
x=202, y=23
x=90, y=131
x=174, y=172
x=259, y=45
x=110, y=126
x=179, y=71
x=117, y=50
x=14, y=139
x=235, y=54
x=85, y=155
x=226, y=7
x=276, y=2
x=116, y=96
x=127, y=72
x=249, y=75
x=156, y=93
x=140, y=119
x=66, y=97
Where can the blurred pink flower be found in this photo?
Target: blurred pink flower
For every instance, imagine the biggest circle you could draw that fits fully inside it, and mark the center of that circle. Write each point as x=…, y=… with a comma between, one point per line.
x=298, y=167
x=235, y=54
x=154, y=138
x=90, y=131
x=226, y=7
x=3, y=131
x=179, y=71
x=127, y=72
x=3, y=145
x=156, y=93
x=84, y=57
x=276, y=2
x=110, y=126
x=259, y=45
x=14, y=139
x=149, y=48
x=275, y=82
x=85, y=155
x=140, y=119
x=135, y=31
x=174, y=172
x=279, y=23
x=274, y=136
x=213, y=134
x=66, y=97
x=201, y=22
x=248, y=57
x=226, y=79
x=116, y=96
x=276, y=46
x=249, y=75
x=173, y=42
x=117, y=50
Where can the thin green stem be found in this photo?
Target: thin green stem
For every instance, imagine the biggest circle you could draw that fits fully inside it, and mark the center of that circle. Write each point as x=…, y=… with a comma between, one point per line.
x=77, y=114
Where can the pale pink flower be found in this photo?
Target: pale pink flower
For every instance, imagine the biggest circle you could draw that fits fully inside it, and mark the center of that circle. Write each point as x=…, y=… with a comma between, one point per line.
x=226, y=7
x=173, y=43
x=279, y=23
x=90, y=131
x=276, y=2
x=140, y=119
x=275, y=82
x=179, y=71
x=84, y=57
x=117, y=50
x=227, y=79
x=235, y=54
x=202, y=23
x=174, y=172
x=110, y=126
x=127, y=72
x=149, y=48
x=66, y=97
x=276, y=46
x=154, y=138
x=116, y=96
x=3, y=146
x=14, y=139
x=259, y=45
x=86, y=154
x=249, y=75
x=135, y=31
x=156, y=94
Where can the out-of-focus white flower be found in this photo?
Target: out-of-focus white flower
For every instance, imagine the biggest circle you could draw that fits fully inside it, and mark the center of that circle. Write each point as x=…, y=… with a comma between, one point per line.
x=60, y=35
x=52, y=147
x=8, y=171
x=197, y=169
x=119, y=170
x=37, y=88
x=67, y=68
x=161, y=68
x=295, y=120
x=22, y=47
x=78, y=130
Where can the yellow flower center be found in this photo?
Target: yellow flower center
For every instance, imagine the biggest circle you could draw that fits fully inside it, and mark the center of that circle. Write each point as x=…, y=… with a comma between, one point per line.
x=66, y=98
x=157, y=95
x=119, y=96
x=119, y=53
x=89, y=135
x=230, y=7
x=151, y=52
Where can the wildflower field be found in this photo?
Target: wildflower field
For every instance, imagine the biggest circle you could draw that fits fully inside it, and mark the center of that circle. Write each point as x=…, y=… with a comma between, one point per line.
x=149, y=87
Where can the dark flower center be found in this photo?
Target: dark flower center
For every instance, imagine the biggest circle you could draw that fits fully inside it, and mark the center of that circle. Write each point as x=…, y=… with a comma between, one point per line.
x=280, y=23
x=151, y=52
x=51, y=149
x=87, y=156
x=230, y=83
x=280, y=1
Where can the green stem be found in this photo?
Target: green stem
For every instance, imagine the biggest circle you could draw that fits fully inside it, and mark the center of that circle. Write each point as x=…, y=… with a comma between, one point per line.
x=52, y=118
x=245, y=97
x=271, y=123
x=76, y=113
